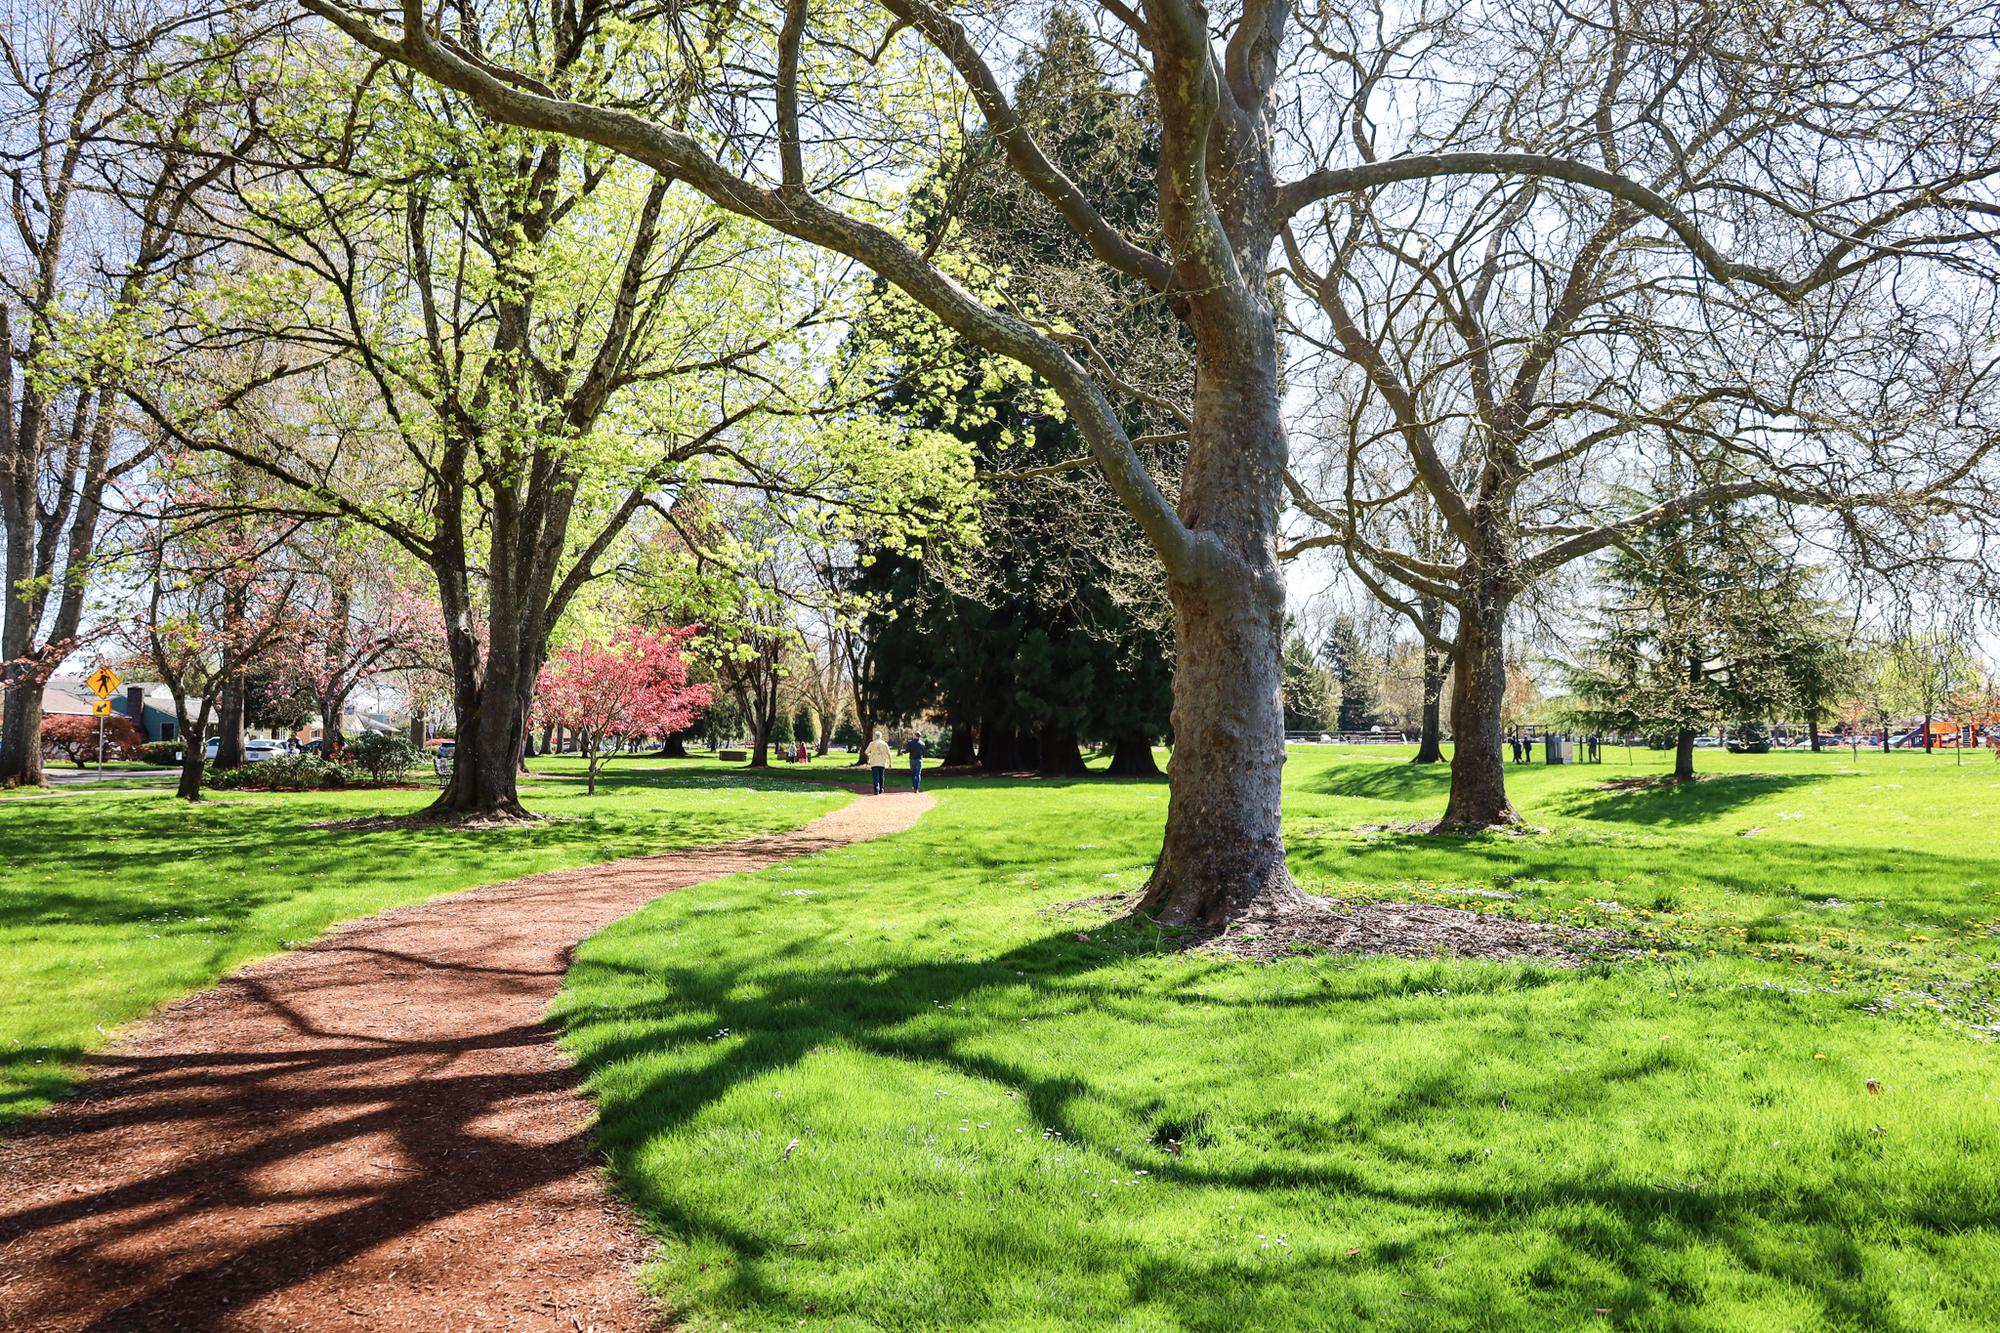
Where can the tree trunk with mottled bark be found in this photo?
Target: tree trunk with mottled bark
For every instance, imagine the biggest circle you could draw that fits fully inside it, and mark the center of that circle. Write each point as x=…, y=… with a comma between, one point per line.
x=1223, y=856
x=1479, y=688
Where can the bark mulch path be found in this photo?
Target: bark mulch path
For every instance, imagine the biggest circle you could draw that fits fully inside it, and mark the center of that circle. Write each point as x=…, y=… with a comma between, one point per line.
x=375, y=1131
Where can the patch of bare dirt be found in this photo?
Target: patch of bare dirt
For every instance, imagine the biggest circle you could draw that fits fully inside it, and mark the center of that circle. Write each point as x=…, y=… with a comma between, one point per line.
x=375, y=1131
x=1647, y=782
x=1412, y=930
x=1407, y=930
x=1445, y=829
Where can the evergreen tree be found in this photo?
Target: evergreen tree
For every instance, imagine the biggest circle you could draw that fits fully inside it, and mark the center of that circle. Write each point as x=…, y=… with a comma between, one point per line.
x=1695, y=631
x=1050, y=632
x=1312, y=690
x=1345, y=658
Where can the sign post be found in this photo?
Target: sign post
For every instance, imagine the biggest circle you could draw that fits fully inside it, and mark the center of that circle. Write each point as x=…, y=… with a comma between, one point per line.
x=103, y=683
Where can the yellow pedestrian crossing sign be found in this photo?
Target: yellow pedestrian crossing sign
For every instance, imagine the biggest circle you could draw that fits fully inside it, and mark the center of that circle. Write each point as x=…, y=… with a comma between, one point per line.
x=100, y=708
x=102, y=682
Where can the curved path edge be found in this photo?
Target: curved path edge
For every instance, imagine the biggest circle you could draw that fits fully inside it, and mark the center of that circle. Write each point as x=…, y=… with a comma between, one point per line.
x=374, y=1131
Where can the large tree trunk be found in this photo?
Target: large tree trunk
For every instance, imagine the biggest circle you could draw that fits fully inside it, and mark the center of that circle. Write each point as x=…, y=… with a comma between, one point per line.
x=675, y=746
x=1478, y=747
x=1132, y=757
x=486, y=762
x=760, y=754
x=962, y=750
x=1430, y=741
x=229, y=723
x=490, y=709
x=1927, y=733
x=1060, y=757
x=21, y=733
x=1812, y=724
x=194, y=741
x=331, y=739
x=1684, y=755
x=1223, y=857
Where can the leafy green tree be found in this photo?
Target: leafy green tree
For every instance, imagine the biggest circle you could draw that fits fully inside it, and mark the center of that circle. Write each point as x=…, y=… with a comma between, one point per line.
x=1929, y=674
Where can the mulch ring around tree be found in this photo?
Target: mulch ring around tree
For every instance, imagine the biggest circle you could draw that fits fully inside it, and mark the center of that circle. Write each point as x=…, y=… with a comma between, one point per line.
x=1411, y=930
x=1406, y=930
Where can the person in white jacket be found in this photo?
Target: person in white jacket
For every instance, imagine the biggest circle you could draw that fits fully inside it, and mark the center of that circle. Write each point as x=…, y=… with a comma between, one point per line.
x=878, y=758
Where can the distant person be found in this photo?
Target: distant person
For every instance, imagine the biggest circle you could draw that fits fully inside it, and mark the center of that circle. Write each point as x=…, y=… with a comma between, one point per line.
x=916, y=752
x=878, y=758
x=1593, y=743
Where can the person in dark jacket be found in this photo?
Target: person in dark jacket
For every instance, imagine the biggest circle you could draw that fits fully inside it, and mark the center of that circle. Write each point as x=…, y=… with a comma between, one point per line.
x=916, y=751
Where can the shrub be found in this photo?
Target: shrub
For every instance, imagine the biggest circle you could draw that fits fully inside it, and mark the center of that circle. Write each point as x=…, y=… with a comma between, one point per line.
x=291, y=772
x=384, y=758
x=161, y=752
x=67, y=736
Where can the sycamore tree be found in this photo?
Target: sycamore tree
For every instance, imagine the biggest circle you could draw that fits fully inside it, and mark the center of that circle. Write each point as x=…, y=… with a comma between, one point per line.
x=608, y=693
x=811, y=117
x=1520, y=357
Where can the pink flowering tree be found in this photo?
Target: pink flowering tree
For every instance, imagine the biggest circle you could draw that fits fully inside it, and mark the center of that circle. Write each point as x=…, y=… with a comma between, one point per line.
x=636, y=685
x=355, y=625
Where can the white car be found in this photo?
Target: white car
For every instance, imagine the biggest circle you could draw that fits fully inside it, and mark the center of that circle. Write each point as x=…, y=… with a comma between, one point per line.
x=254, y=751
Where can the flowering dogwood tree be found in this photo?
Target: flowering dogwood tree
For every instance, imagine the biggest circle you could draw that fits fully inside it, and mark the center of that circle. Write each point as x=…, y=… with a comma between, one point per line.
x=609, y=692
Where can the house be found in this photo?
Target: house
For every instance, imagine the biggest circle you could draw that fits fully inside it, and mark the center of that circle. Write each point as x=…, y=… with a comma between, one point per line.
x=151, y=706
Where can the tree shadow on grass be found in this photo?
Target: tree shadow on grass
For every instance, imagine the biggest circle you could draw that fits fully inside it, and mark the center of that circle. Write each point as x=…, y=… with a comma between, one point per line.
x=1667, y=804
x=790, y=1005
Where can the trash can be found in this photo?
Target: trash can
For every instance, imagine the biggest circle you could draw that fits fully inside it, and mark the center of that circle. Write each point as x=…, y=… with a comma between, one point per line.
x=1559, y=750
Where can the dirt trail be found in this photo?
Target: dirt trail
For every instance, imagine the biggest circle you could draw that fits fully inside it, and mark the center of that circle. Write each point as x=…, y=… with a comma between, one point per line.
x=375, y=1131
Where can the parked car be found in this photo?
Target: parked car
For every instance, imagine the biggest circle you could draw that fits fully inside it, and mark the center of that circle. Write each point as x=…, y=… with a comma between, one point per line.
x=255, y=751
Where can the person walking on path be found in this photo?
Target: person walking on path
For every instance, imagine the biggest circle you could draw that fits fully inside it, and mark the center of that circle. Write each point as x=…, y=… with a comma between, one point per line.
x=916, y=752
x=878, y=759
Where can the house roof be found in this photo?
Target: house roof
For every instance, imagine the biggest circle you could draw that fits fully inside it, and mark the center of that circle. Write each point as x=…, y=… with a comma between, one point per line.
x=68, y=694
x=63, y=697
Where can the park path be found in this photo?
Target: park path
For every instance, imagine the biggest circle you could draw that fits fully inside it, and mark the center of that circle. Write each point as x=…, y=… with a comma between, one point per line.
x=375, y=1131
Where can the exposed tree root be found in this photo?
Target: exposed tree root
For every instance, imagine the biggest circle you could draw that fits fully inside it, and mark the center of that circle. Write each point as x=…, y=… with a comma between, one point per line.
x=431, y=818
x=1451, y=829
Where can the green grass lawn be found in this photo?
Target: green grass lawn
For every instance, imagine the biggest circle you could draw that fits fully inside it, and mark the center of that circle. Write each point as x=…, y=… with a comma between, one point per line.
x=982, y=1091
x=110, y=905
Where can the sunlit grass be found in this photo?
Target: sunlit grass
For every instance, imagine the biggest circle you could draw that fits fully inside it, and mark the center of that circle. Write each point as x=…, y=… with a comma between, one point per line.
x=111, y=904
x=886, y=1088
